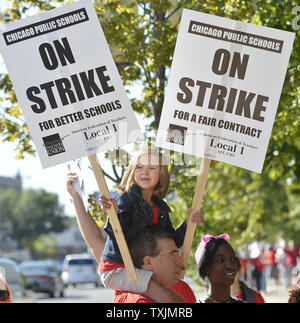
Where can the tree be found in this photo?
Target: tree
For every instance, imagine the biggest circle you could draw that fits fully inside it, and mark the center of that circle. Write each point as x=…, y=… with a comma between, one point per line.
x=8, y=200
x=237, y=200
x=1, y=17
x=142, y=36
x=29, y=214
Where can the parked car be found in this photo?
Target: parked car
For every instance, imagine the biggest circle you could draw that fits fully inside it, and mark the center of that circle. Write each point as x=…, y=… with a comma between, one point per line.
x=13, y=277
x=80, y=269
x=43, y=277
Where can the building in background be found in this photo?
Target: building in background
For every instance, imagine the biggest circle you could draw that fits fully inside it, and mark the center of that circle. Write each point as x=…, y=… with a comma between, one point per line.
x=11, y=182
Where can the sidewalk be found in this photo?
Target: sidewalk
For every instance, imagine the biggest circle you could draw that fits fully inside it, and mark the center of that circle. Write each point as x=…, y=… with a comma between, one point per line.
x=281, y=295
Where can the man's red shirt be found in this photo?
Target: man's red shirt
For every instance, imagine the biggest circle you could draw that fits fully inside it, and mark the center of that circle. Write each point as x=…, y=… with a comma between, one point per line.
x=181, y=288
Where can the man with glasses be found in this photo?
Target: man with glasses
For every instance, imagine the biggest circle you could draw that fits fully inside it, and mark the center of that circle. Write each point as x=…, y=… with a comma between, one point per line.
x=155, y=250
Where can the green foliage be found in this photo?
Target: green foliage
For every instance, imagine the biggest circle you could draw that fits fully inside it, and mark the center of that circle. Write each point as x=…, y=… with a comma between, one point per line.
x=27, y=215
x=96, y=211
x=43, y=245
x=142, y=36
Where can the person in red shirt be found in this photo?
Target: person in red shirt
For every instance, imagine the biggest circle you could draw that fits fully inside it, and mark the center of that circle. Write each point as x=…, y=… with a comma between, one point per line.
x=259, y=267
x=155, y=250
x=291, y=254
x=140, y=206
x=181, y=288
x=271, y=269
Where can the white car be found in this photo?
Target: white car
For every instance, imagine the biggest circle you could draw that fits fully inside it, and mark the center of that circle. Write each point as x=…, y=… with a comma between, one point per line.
x=80, y=269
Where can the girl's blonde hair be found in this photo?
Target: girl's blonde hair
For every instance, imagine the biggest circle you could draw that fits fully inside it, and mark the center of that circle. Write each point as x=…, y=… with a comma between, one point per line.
x=161, y=189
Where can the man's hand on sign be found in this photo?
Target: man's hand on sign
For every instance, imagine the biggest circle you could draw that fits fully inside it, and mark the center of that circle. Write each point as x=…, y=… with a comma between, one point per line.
x=107, y=203
x=195, y=217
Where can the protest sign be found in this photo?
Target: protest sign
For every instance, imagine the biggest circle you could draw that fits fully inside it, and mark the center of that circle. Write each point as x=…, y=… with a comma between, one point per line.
x=70, y=91
x=67, y=84
x=224, y=88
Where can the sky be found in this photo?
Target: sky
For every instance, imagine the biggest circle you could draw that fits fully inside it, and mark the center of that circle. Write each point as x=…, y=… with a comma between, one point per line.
x=51, y=179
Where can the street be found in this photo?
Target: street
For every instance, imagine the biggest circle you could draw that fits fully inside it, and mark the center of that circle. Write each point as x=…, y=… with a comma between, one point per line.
x=85, y=293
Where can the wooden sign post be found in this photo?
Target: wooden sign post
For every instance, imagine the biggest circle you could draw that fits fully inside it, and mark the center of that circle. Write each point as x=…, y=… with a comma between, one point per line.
x=113, y=217
x=196, y=205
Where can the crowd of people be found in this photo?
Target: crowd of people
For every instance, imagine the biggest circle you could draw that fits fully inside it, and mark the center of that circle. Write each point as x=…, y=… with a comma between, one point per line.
x=269, y=267
x=155, y=247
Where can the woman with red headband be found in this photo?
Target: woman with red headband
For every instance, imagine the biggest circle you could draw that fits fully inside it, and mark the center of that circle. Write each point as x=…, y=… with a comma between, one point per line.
x=218, y=262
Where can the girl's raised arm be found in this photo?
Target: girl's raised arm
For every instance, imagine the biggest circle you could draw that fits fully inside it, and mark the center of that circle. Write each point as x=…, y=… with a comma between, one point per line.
x=89, y=229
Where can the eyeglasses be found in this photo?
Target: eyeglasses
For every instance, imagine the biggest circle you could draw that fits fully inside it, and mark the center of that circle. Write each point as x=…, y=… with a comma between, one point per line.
x=175, y=253
x=4, y=295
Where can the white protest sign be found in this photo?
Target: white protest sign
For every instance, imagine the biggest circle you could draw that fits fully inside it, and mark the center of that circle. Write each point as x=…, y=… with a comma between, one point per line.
x=67, y=84
x=224, y=88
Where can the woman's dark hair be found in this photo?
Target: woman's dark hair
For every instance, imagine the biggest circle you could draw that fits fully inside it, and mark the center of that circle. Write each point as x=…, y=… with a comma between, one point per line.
x=209, y=253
